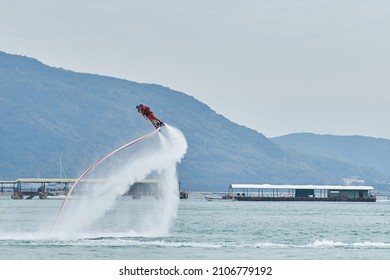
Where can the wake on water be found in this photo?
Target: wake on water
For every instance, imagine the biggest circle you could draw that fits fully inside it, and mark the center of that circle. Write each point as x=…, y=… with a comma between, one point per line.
x=156, y=157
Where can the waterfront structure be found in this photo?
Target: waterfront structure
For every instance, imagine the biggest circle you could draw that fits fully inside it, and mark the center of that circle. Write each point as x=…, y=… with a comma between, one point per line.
x=147, y=187
x=266, y=192
x=43, y=188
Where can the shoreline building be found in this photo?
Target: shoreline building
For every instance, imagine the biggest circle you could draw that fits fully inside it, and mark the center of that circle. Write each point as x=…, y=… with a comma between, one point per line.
x=266, y=192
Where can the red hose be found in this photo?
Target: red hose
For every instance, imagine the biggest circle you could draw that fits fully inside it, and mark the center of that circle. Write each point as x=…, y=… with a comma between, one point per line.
x=93, y=166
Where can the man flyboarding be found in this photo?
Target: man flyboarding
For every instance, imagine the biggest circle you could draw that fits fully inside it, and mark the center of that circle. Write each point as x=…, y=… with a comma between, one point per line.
x=147, y=114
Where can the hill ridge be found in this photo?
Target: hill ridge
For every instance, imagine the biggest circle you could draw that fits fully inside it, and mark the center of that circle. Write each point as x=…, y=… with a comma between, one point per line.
x=50, y=112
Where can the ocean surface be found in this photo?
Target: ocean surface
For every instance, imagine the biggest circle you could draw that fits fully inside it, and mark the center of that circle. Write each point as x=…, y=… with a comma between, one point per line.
x=200, y=230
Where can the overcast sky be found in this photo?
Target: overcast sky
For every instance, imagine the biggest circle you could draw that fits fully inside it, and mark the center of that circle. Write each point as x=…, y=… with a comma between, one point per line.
x=277, y=66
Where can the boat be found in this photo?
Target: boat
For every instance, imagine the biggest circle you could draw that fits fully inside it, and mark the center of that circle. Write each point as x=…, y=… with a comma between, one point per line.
x=225, y=197
x=56, y=197
x=17, y=195
x=183, y=195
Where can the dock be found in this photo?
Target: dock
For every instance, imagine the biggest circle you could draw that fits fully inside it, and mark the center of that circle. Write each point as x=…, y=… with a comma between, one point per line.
x=267, y=192
x=28, y=188
x=31, y=187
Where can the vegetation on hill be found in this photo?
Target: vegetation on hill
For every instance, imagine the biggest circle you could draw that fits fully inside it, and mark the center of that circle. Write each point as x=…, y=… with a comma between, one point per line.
x=48, y=113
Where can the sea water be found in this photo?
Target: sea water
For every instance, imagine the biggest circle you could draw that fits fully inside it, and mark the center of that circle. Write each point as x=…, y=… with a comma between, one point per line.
x=202, y=230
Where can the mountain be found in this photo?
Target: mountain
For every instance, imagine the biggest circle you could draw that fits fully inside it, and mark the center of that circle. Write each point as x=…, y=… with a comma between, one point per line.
x=48, y=113
x=364, y=152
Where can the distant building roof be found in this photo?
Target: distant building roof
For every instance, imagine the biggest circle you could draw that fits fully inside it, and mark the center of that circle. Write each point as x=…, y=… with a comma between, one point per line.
x=300, y=187
x=67, y=180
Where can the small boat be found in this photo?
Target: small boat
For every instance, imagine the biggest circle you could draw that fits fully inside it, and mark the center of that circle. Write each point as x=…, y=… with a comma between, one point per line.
x=56, y=197
x=183, y=195
x=225, y=197
x=17, y=195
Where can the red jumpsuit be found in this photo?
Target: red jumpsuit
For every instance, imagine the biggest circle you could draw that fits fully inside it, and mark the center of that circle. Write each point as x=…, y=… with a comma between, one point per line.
x=145, y=111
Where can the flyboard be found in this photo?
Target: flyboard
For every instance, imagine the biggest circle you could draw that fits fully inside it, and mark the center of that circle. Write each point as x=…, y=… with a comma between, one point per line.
x=96, y=164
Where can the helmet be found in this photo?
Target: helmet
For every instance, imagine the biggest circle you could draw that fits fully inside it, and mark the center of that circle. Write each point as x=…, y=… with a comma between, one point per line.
x=137, y=107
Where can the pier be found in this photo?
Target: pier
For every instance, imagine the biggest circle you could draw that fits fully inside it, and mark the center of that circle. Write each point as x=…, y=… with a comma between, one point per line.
x=30, y=187
x=266, y=192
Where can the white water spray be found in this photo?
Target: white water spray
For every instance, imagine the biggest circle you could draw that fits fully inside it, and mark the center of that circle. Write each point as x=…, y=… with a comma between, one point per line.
x=159, y=156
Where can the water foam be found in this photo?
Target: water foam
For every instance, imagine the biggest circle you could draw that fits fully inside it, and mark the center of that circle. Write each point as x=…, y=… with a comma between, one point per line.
x=159, y=156
x=325, y=244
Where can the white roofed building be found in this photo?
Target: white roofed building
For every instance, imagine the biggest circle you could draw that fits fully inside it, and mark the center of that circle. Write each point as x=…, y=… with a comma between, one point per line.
x=266, y=192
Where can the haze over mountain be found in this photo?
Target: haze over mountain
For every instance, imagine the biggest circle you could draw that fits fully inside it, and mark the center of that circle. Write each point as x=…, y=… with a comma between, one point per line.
x=363, y=151
x=48, y=113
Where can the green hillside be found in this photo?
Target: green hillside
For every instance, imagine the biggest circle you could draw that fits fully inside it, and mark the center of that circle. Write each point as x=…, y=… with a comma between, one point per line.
x=48, y=113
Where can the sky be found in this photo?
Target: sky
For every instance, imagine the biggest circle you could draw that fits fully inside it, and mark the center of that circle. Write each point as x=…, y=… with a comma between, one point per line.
x=276, y=66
